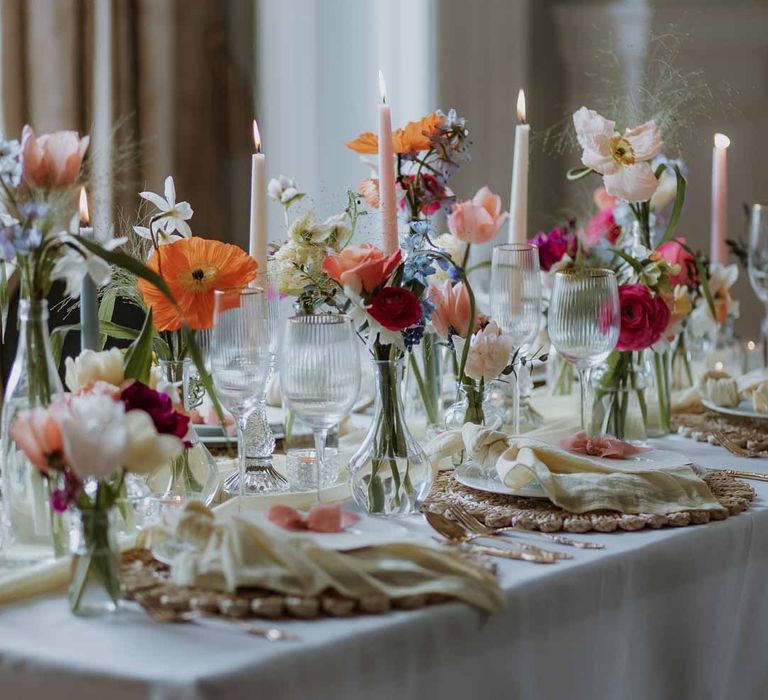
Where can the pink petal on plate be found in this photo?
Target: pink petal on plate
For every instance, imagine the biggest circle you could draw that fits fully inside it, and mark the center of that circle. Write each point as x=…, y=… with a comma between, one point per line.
x=286, y=517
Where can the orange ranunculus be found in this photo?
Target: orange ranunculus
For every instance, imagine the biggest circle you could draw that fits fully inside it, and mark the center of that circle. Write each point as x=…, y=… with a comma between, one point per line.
x=363, y=267
x=194, y=268
x=415, y=136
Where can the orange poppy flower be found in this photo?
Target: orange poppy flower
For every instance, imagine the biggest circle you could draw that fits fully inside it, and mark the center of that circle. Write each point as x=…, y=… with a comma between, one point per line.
x=194, y=268
x=415, y=136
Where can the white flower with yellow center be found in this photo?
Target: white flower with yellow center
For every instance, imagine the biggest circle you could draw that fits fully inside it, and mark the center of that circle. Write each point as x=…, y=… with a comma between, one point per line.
x=622, y=159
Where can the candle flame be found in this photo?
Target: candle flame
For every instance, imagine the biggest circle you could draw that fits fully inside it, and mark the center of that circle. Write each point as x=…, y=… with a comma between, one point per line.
x=256, y=137
x=84, y=214
x=751, y=345
x=722, y=141
x=719, y=366
x=521, y=106
x=382, y=87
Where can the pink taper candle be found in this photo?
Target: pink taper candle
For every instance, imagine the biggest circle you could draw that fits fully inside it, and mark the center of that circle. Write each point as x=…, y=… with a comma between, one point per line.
x=518, y=201
x=718, y=248
x=387, y=199
x=258, y=233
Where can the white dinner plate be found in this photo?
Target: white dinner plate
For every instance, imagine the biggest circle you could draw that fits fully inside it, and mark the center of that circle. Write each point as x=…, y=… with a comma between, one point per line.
x=482, y=479
x=743, y=410
x=366, y=532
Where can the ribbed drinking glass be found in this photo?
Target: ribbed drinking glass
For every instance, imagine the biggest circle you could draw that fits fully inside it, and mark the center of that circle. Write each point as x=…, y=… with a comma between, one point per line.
x=320, y=373
x=240, y=356
x=584, y=322
x=758, y=264
x=516, y=303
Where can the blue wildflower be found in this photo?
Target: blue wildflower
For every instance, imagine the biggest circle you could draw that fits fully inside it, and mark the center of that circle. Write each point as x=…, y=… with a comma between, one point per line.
x=418, y=268
x=413, y=334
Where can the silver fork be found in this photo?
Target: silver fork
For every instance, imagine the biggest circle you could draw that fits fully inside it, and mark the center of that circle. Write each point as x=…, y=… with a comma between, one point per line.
x=474, y=525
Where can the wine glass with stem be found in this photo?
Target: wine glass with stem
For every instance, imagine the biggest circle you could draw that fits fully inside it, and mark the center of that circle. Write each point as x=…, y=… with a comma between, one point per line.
x=584, y=323
x=515, y=293
x=757, y=264
x=319, y=373
x=239, y=356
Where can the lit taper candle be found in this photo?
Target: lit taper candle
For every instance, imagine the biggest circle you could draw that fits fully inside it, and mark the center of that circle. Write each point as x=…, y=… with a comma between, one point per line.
x=258, y=233
x=518, y=204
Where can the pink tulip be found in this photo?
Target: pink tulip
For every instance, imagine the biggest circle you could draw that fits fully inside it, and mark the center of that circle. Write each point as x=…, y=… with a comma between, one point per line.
x=452, y=308
x=38, y=434
x=479, y=219
x=52, y=160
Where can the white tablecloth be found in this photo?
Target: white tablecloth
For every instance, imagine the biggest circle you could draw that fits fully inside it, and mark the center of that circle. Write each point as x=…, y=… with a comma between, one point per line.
x=672, y=614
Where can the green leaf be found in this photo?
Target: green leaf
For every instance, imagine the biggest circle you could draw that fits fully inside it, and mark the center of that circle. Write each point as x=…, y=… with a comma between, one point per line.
x=161, y=348
x=677, y=208
x=106, y=312
x=116, y=331
x=578, y=173
x=138, y=359
x=57, y=337
x=632, y=262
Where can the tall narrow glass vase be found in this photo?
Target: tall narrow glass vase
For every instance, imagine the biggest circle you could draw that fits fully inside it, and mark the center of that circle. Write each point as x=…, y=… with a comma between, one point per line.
x=658, y=394
x=426, y=371
x=193, y=475
x=31, y=529
x=390, y=473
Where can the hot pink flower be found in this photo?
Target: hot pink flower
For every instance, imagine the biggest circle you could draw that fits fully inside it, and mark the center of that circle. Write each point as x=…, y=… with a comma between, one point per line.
x=452, y=307
x=363, y=267
x=554, y=246
x=674, y=253
x=52, y=160
x=38, y=434
x=603, y=200
x=477, y=220
x=644, y=318
x=601, y=227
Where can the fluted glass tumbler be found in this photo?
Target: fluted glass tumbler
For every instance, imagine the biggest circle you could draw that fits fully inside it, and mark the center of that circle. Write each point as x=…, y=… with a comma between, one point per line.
x=758, y=264
x=584, y=323
x=320, y=373
x=516, y=304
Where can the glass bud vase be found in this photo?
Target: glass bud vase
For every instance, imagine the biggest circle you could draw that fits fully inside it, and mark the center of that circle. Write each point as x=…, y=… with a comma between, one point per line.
x=390, y=473
x=193, y=475
x=474, y=404
x=425, y=385
x=658, y=394
x=94, y=585
x=31, y=529
x=619, y=405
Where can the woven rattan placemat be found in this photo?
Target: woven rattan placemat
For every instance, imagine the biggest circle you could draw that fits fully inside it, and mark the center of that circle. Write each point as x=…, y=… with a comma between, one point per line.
x=498, y=510
x=745, y=432
x=146, y=581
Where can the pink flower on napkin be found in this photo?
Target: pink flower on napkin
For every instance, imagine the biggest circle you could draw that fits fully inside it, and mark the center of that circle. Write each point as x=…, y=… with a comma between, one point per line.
x=599, y=446
x=322, y=517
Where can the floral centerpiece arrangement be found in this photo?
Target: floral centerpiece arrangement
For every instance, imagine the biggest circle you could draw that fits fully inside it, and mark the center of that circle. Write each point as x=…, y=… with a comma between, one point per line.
x=84, y=444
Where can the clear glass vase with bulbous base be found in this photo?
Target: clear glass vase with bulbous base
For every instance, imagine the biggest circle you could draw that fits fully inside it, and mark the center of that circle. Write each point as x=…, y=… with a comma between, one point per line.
x=194, y=475
x=31, y=529
x=390, y=473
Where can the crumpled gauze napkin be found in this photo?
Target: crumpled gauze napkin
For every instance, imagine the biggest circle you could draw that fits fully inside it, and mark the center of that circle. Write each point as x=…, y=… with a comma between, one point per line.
x=232, y=552
x=579, y=484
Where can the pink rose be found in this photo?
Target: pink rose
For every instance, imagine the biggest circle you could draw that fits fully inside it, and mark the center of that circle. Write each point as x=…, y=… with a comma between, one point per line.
x=452, y=307
x=362, y=266
x=477, y=220
x=489, y=353
x=38, y=434
x=601, y=227
x=674, y=253
x=644, y=318
x=52, y=160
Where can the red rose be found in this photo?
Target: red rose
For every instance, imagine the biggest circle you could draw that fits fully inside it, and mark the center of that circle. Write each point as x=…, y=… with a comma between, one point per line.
x=395, y=308
x=643, y=317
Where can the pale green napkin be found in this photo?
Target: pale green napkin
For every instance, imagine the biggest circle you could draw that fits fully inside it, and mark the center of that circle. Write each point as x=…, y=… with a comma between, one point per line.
x=578, y=483
x=232, y=552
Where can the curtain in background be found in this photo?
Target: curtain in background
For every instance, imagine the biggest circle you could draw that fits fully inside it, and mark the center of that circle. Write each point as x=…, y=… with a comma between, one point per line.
x=179, y=95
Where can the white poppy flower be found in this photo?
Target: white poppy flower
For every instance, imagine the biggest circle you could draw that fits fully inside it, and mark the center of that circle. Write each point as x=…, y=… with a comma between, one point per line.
x=622, y=159
x=283, y=189
x=174, y=215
